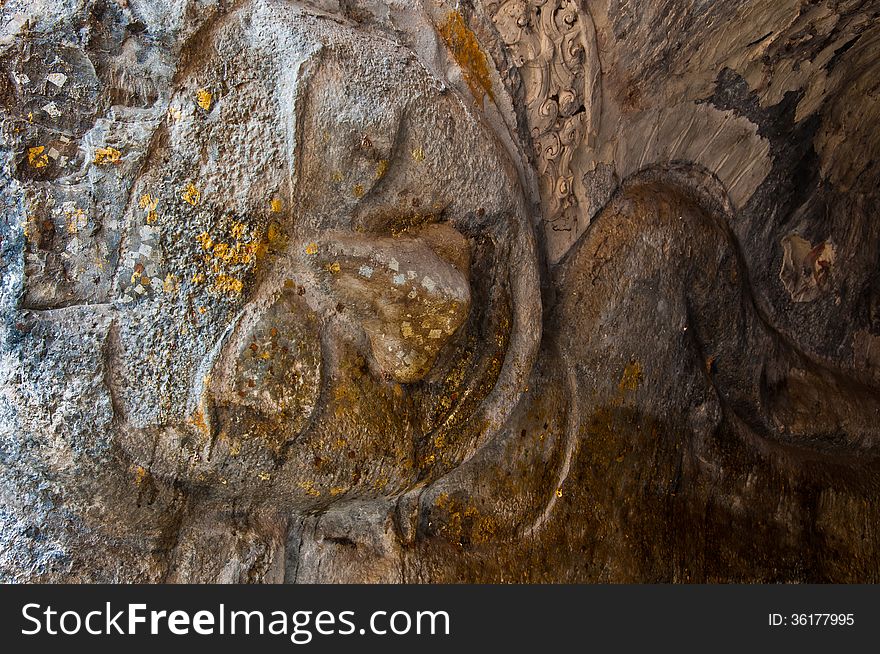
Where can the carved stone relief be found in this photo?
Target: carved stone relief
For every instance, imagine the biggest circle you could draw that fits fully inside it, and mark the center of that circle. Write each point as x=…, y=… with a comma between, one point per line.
x=374, y=290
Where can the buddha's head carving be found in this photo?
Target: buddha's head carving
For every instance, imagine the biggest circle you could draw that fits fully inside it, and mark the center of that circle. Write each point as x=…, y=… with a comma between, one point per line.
x=331, y=243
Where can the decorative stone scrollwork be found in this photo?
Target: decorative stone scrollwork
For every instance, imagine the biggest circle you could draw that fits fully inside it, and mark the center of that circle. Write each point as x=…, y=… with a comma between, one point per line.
x=553, y=45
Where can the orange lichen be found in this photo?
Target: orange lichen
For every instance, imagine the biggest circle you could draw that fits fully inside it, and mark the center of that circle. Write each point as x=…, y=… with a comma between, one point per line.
x=466, y=51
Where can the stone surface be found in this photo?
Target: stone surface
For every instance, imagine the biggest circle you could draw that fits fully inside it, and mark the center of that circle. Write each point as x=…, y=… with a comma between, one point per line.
x=502, y=290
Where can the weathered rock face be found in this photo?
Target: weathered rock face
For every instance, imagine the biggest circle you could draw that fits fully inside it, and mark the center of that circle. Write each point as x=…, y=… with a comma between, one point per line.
x=373, y=290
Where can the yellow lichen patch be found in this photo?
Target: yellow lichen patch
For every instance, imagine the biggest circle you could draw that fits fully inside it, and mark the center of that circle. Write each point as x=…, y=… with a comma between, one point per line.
x=335, y=268
x=205, y=241
x=237, y=230
x=275, y=205
x=264, y=476
x=418, y=154
x=558, y=492
x=191, y=195
x=337, y=177
x=312, y=249
x=336, y=490
x=381, y=169
x=105, y=156
x=632, y=375
x=228, y=284
x=204, y=98
x=358, y=191
x=466, y=51
x=37, y=158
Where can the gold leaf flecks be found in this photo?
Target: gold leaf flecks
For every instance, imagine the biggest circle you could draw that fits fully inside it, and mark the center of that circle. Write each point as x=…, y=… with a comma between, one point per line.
x=191, y=195
x=108, y=155
x=170, y=284
x=37, y=158
x=204, y=98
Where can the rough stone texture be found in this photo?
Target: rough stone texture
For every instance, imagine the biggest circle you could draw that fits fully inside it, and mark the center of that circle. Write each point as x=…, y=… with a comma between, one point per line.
x=380, y=290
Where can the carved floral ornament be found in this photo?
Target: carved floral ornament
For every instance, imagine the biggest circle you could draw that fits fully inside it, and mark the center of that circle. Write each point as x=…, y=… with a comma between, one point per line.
x=553, y=45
